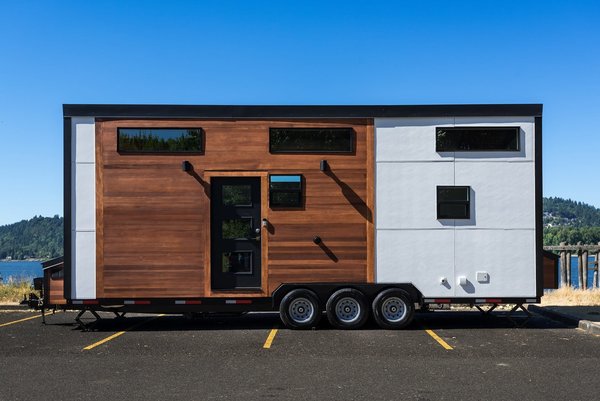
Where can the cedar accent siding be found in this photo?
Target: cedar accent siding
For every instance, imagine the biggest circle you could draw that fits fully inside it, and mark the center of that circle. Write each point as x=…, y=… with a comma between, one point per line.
x=54, y=287
x=154, y=219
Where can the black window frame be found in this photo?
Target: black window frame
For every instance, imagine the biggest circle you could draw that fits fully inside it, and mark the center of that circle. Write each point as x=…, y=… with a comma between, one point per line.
x=350, y=131
x=466, y=203
x=517, y=130
x=162, y=152
x=299, y=192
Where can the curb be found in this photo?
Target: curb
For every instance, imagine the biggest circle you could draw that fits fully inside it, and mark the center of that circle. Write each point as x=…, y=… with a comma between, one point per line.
x=586, y=325
x=589, y=327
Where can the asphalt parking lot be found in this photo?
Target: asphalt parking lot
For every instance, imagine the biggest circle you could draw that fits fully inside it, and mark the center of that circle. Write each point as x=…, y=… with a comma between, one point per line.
x=443, y=355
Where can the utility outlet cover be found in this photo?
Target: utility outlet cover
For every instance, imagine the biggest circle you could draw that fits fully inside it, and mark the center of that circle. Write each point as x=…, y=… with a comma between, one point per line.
x=483, y=277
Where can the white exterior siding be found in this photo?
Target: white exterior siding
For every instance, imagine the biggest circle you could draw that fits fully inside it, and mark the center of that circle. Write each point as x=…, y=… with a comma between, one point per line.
x=417, y=137
x=409, y=202
x=420, y=257
x=83, y=208
x=502, y=194
x=413, y=246
x=507, y=256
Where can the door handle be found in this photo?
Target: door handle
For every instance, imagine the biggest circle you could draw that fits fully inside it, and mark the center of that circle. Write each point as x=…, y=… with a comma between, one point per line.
x=257, y=232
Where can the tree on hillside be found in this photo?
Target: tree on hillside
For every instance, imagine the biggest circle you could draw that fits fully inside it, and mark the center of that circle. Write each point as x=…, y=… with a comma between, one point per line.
x=39, y=237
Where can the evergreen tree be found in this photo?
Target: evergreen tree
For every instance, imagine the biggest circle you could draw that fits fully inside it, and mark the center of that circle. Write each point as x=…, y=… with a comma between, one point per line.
x=39, y=238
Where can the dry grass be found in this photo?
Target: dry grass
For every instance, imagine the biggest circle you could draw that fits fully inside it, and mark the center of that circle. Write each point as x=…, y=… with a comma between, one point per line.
x=14, y=291
x=567, y=296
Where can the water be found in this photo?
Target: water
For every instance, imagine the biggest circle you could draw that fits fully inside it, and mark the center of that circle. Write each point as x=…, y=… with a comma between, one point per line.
x=574, y=272
x=23, y=270
x=20, y=270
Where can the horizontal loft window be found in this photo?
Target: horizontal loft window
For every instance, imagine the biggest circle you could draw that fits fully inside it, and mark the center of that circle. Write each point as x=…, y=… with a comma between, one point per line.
x=453, y=202
x=285, y=190
x=472, y=139
x=160, y=140
x=311, y=140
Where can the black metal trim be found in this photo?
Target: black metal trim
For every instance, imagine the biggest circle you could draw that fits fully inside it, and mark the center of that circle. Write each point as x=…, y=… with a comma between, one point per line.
x=299, y=192
x=167, y=305
x=539, y=213
x=67, y=206
x=52, y=262
x=478, y=128
x=230, y=281
x=472, y=300
x=351, y=151
x=159, y=152
x=308, y=111
x=467, y=203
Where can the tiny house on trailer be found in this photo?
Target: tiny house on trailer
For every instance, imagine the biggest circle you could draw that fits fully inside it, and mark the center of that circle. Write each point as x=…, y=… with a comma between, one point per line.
x=349, y=210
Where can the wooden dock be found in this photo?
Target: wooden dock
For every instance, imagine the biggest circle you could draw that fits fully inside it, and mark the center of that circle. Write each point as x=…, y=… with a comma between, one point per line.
x=583, y=252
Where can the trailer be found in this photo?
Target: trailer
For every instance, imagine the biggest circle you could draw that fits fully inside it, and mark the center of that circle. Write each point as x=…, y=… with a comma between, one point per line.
x=343, y=211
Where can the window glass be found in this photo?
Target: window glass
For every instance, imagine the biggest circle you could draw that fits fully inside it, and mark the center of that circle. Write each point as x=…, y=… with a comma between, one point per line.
x=468, y=139
x=237, y=195
x=237, y=228
x=453, y=202
x=160, y=140
x=285, y=190
x=453, y=194
x=311, y=140
x=237, y=262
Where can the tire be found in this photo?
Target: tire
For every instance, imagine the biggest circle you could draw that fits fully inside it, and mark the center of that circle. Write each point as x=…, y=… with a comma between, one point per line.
x=300, y=309
x=347, y=309
x=393, y=309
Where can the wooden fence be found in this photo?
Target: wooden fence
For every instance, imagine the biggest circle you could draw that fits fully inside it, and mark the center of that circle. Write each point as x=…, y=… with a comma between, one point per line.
x=583, y=252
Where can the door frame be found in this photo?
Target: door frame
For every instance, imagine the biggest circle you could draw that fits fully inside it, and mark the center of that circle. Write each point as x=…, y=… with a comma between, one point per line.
x=264, y=211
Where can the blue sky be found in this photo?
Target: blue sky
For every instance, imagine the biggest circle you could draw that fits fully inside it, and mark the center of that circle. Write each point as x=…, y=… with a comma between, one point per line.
x=322, y=52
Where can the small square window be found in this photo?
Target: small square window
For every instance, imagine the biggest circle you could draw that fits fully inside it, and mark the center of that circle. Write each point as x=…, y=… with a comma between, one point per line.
x=285, y=190
x=453, y=202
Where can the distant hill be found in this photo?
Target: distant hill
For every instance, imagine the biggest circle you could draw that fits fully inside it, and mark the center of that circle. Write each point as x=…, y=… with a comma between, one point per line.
x=569, y=213
x=566, y=220
x=38, y=238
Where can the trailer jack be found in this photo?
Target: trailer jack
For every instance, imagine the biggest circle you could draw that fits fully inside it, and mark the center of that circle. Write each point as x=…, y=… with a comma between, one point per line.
x=486, y=311
x=86, y=326
x=509, y=315
x=514, y=309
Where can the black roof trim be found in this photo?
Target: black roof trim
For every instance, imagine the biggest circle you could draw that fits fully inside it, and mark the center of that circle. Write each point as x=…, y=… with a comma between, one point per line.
x=255, y=111
x=52, y=262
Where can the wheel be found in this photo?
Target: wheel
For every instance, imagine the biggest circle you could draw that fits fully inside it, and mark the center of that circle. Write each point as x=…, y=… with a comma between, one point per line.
x=347, y=309
x=393, y=309
x=299, y=309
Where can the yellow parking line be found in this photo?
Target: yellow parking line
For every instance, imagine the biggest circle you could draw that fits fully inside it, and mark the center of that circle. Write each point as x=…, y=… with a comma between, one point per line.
x=438, y=339
x=20, y=320
x=270, y=338
x=120, y=333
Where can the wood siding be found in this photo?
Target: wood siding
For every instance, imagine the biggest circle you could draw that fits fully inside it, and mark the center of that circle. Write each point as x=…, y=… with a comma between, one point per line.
x=153, y=219
x=54, y=287
x=550, y=270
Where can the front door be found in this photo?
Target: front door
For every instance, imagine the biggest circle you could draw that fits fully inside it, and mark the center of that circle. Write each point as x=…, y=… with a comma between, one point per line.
x=235, y=233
